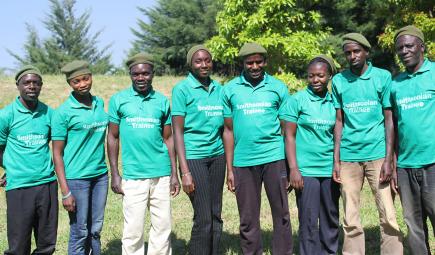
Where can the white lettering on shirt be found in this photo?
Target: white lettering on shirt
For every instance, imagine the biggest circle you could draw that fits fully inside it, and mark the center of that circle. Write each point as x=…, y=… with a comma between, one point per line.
x=211, y=110
x=141, y=122
x=407, y=103
x=253, y=108
x=362, y=106
x=32, y=139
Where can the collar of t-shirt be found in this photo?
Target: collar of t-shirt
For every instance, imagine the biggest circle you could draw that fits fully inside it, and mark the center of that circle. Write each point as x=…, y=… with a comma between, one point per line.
x=365, y=76
x=194, y=83
x=77, y=105
x=148, y=96
x=314, y=97
x=423, y=68
x=243, y=81
x=21, y=108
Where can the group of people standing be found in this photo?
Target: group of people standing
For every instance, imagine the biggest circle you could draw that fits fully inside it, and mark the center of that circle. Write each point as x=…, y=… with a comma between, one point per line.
x=250, y=131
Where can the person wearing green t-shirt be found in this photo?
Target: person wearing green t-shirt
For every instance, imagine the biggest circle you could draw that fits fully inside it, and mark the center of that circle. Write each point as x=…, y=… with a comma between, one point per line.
x=254, y=150
x=363, y=148
x=309, y=128
x=31, y=187
x=413, y=100
x=139, y=118
x=78, y=134
x=197, y=120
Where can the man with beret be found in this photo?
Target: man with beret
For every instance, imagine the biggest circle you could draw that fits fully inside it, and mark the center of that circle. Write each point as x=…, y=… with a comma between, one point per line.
x=31, y=189
x=140, y=118
x=78, y=134
x=254, y=150
x=413, y=100
x=363, y=146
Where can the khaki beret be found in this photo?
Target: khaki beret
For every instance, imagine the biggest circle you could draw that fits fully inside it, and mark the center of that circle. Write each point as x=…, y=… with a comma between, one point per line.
x=75, y=68
x=193, y=50
x=355, y=38
x=251, y=48
x=409, y=30
x=28, y=69
x=140, y=58
x=329, y=60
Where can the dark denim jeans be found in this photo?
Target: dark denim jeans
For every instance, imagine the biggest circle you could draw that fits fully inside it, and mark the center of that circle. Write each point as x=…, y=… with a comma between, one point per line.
x=417, y=193
x=87, y=221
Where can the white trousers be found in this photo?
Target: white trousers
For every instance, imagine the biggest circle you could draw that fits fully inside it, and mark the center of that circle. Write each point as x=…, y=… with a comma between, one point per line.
x=153, y=193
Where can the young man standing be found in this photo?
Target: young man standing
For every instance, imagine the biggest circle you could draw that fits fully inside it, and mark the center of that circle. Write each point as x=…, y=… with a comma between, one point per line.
x=31, y=189
x=140, y=118
x=254, y=149
x=413, y=100
x=364, y=136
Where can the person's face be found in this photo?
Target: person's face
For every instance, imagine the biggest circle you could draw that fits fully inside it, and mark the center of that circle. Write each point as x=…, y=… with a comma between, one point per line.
x=81, y=84
x=29, y=87
x=318, y=77
x=142, y=76
x=410, y=50
x=355, y=54
x=201, y=65
x=253, y=66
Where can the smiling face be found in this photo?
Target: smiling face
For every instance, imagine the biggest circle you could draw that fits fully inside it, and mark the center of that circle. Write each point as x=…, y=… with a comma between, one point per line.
x=356, y=55
x=253, y=67
x=141, y=76
x=81, y=84
x=318, y=77
x=410, y=50
x=29, y=87
x=201, y=65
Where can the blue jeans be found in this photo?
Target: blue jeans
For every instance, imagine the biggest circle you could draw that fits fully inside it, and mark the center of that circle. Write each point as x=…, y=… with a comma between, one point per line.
x=87, y=221
x=417, y=193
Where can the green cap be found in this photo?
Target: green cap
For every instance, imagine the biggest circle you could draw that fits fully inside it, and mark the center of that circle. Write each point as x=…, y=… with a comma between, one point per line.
x=329, y=60
x=75, y=68
x=409, y=30
x=28, y=69
x=251, y=48
x=355, y=38
x=140, y=58
x=193, y=50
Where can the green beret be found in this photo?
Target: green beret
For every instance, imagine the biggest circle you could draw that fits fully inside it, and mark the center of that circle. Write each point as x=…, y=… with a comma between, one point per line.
x=329, y=60
x=251, y=48
x=193, y=50
x=355, y=38
x=140, y=58
x=75, y=68
x=409, y=30
x=28, y=69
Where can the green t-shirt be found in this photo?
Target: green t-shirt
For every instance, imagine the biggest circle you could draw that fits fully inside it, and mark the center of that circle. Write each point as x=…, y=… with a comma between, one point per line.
x=203, y=117
x=315, y=119
x=362, y=99
x=83, y=129
x=413, y=100
x=256, y=113
x=26, y=134
x=141, y=120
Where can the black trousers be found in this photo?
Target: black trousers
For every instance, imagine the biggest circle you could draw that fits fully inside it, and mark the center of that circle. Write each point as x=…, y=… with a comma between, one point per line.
x=318, y=216
x=208, y=175
x=248, y=183
x=32, y=208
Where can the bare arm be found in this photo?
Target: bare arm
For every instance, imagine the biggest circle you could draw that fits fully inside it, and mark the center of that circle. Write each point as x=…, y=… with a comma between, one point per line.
x=228, y=139
x=3, y=177
x=386, y=169
x=295, y=178
x=113, y=152
x=186, y=177
x=59, y=167
x=169, y=141
x=337, y=141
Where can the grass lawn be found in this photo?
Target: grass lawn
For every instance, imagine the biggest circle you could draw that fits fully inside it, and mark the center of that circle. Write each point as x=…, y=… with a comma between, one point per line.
x=56, y=90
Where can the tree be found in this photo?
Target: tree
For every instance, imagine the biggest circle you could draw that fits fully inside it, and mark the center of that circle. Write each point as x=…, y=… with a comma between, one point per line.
x=290, y=34
x=174, y=26
x=70, y=39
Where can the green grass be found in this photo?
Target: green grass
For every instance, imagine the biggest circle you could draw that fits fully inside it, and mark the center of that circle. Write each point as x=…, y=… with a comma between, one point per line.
x=56, y=90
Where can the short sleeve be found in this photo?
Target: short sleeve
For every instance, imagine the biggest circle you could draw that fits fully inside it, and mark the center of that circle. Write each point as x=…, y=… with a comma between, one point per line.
x=336, y=96
x=113, y=110
x=386, y=93
x=167, y=113
x=284, y=99
x=291, y=110
x=226, y=103
x=4, y=127
x=59, y=126
x=178, y=102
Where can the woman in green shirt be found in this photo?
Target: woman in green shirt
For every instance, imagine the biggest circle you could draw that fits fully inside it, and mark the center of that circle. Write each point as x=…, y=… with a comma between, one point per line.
x=197, y=120
x=78, y=134
x=309, y=126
